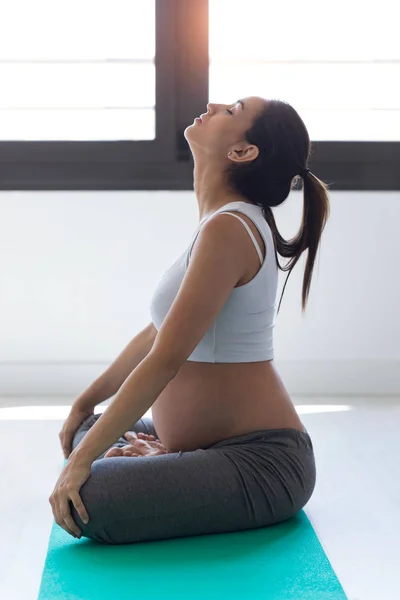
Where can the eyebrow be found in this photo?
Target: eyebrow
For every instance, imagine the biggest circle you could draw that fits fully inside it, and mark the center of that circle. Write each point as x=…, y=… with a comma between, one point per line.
x=241, y=102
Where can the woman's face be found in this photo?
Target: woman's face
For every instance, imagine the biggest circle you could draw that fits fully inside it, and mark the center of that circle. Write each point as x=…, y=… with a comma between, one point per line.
x=223, y=127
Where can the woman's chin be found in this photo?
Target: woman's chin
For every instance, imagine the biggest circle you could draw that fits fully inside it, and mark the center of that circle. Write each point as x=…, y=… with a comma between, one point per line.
x=189, y=129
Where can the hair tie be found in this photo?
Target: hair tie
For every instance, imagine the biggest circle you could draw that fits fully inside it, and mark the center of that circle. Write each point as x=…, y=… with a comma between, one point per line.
x=304, y=172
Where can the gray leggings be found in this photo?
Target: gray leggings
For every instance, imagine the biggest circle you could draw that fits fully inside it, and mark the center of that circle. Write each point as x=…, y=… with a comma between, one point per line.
x=243, y=482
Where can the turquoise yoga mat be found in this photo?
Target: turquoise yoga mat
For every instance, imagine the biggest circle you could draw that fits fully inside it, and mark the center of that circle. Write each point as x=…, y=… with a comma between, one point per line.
x=283, y=562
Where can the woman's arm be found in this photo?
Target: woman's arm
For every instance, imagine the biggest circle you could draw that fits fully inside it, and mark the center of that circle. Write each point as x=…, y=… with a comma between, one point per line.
x=139, y=392
x=217, y=264
x=108, y=384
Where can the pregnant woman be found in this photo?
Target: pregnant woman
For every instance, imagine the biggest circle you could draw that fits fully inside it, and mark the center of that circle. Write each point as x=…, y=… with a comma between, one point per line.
x=225, y=449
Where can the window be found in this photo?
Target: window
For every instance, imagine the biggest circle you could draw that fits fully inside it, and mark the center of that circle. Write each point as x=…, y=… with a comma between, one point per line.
x=91, y=94
x=340, y=72
x=96, y=95
x=91, y=79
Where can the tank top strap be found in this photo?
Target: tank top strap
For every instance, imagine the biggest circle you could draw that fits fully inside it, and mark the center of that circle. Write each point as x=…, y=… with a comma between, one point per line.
x=249, y=231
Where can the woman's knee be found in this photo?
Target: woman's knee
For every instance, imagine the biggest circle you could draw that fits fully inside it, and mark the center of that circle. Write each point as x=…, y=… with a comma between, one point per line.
x=96, y=496
x=90, y=421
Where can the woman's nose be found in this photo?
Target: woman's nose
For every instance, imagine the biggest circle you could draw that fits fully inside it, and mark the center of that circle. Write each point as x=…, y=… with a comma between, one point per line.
x=211, y=107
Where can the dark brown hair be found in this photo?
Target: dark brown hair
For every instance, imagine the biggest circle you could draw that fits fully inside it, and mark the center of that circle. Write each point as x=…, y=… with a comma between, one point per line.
x=285, y=148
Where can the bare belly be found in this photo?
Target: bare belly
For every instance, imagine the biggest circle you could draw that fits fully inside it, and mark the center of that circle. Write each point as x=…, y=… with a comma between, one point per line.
x=206, y=403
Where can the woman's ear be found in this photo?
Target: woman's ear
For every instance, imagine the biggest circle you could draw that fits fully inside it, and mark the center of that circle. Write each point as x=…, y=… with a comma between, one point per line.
x=245, y=154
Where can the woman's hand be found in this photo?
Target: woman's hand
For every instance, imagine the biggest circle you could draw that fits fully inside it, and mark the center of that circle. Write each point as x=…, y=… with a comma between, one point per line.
x=141, y=445
x=72, y=478
x=74, y=420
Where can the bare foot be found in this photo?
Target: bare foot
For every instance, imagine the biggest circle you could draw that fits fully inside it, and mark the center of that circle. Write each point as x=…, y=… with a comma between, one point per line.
x=140, y=445
x=148, y=438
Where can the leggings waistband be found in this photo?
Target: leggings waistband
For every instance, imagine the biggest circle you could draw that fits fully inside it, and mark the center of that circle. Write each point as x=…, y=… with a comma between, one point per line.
x=268, y=435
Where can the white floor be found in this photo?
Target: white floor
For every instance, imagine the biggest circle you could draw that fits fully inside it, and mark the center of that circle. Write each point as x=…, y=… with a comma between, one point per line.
x=355, y=508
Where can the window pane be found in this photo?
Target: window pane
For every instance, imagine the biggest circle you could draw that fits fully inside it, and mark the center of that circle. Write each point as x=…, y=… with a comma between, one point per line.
x=338, y=67
x=77, y=70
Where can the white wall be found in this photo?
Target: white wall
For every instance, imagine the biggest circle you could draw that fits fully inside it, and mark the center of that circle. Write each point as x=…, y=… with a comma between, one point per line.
x=78, y=269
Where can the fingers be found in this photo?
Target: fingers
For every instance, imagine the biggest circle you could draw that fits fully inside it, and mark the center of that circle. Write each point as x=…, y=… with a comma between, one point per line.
x=80, y=508
x=59, y=512
x=67, y=521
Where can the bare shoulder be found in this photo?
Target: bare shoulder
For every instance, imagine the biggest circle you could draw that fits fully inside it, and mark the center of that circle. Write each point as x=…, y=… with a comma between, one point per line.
x=223, y=236
x=215, y=267
x=232, y=231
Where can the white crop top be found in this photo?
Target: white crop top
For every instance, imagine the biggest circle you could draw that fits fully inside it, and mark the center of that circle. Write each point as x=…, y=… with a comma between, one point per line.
x=243, y=330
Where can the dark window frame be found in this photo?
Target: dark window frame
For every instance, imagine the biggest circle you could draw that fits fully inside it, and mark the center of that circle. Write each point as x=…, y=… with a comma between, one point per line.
x=166, y=163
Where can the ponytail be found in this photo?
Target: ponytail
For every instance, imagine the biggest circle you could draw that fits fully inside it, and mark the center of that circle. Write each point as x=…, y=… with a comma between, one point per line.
x=316, y=210
x=285, y=147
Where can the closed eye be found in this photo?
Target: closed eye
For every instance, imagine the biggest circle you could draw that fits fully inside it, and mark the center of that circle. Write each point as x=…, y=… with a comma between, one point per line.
x=229, y=111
